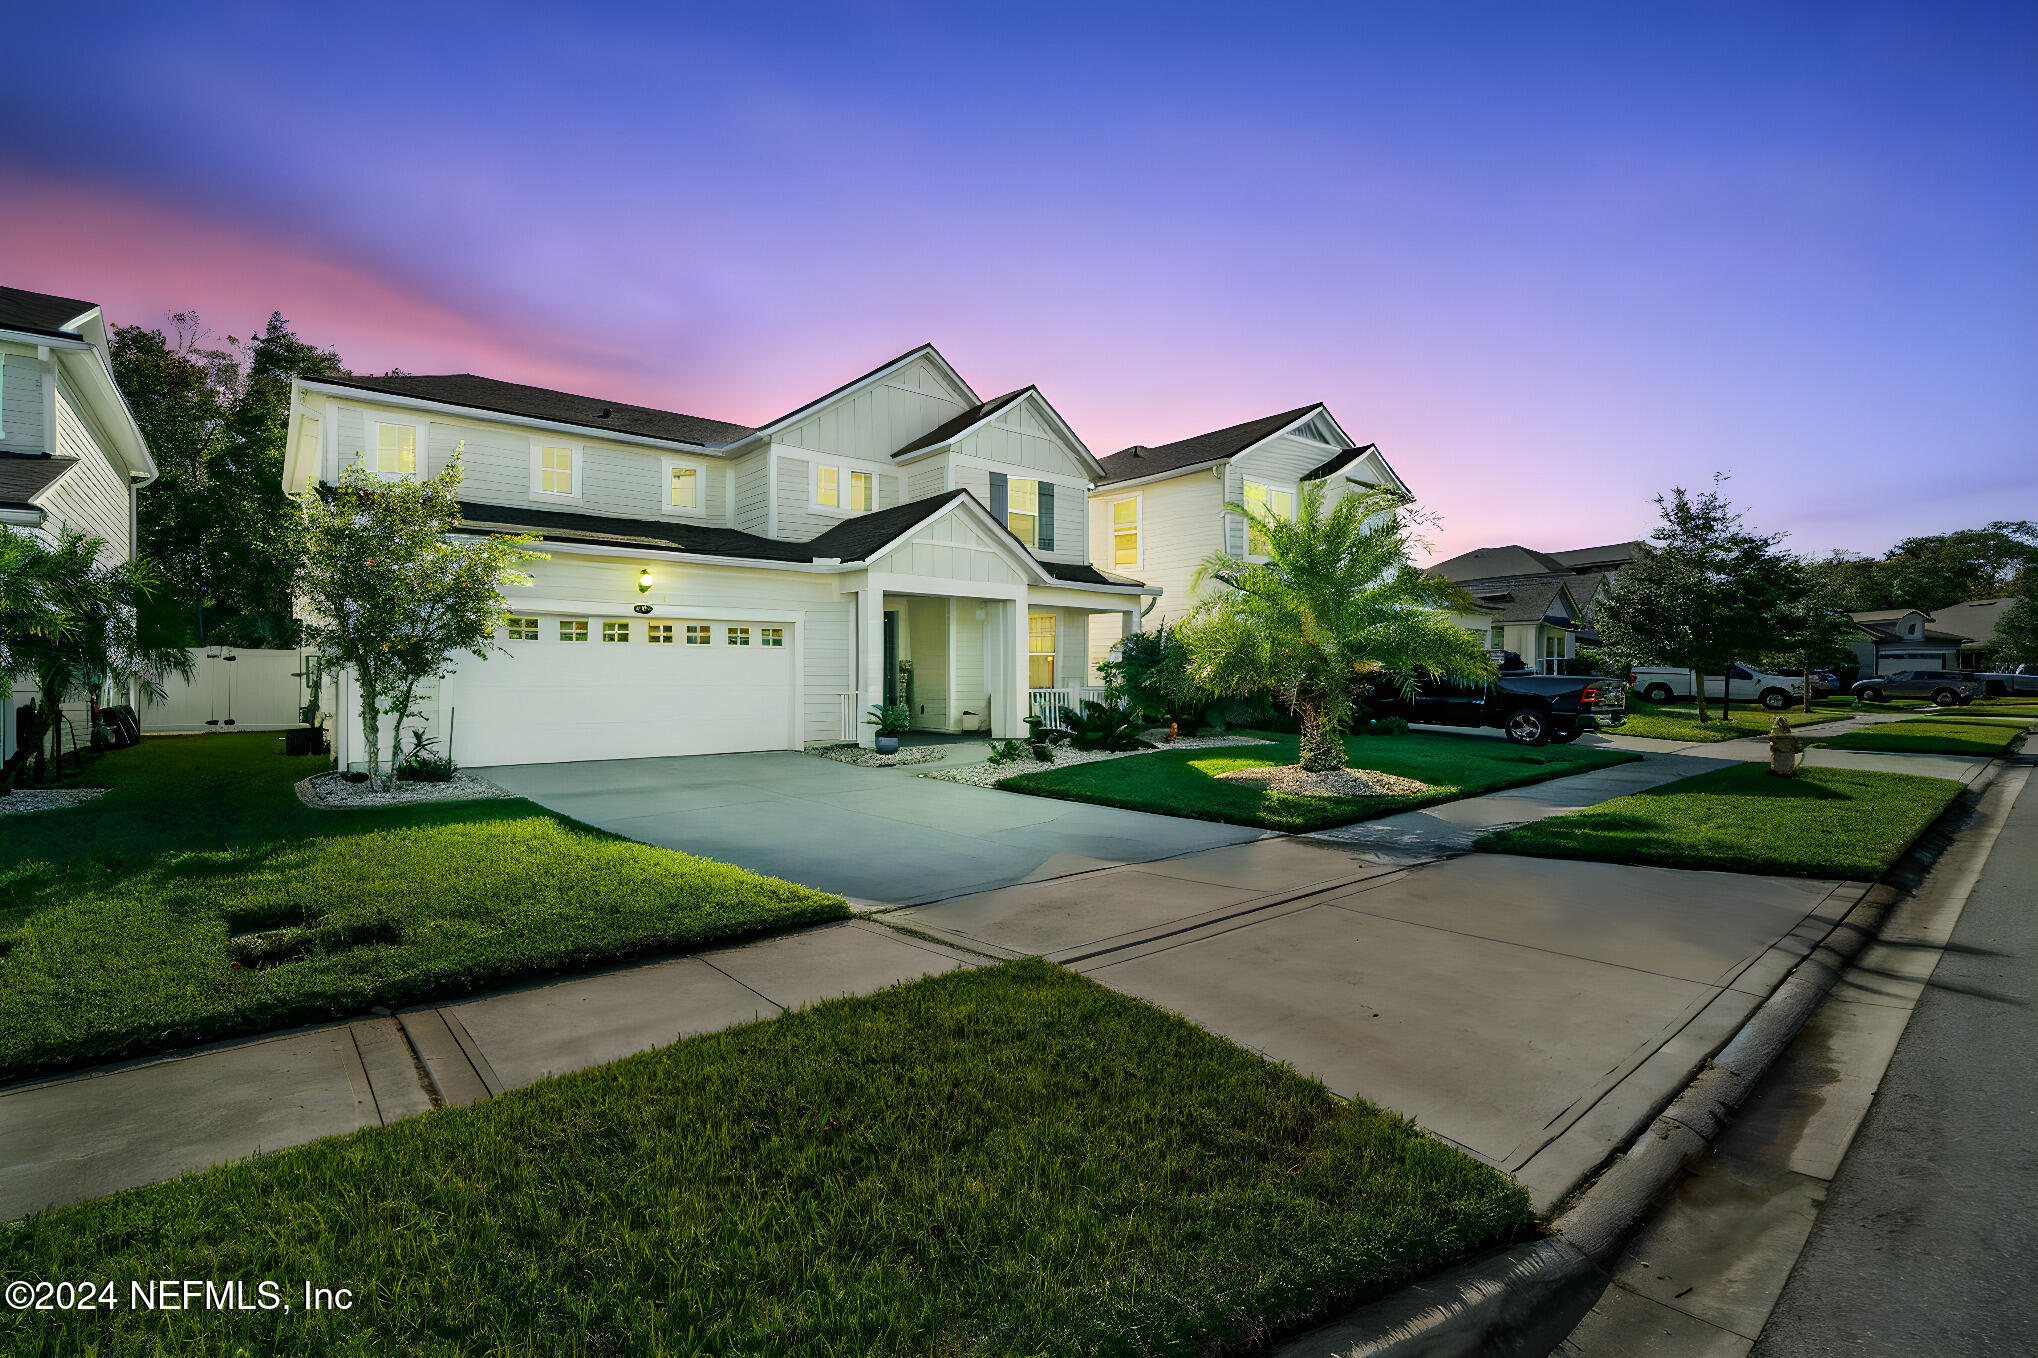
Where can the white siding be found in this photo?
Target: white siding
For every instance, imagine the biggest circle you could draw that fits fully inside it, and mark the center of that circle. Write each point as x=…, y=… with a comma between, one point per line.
x=1021, y=436
x=799, y=519
x=927, y=624
x=753, y=492
x=21, y=402
x=1280, y=461
x=949, y=548
x=1071, y=519
x=927, y=478
x=92, y=497
x=968, y=682
x=882, y=418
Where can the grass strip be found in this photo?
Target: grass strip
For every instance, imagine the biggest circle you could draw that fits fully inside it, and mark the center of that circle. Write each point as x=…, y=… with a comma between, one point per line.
x=1014, y=1160
x=116, y=916
x=1186, y=782
x=1821, y=823
x=1929, y=735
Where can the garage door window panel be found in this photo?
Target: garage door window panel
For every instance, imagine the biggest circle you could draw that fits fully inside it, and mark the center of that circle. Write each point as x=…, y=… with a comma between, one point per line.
x=522, y=629
x=573, y=629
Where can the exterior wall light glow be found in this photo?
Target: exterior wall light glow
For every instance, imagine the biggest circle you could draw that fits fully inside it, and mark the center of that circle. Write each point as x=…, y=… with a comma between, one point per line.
x=644, y=581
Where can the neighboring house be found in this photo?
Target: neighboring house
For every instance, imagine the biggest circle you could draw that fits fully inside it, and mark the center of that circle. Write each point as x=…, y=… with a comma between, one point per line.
x=1160, y=511
x=1912, y=639
x=796, y=572
x=71, y=456
x=1537, y=604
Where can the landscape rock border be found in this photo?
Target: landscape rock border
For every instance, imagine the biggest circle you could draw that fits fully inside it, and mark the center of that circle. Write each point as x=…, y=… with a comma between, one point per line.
x=26, y=801
x=990, y=775
x=847, y=753
x=317, y=792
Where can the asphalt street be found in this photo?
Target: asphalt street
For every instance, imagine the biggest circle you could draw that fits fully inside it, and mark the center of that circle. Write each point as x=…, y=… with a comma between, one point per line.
x=1928, y=1241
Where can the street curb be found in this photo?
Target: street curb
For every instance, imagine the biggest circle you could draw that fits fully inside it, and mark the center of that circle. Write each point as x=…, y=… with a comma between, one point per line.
x=1523, y=1300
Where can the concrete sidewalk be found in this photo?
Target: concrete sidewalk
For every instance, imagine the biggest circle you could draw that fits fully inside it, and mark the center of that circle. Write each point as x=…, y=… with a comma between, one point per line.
x=96, y=1132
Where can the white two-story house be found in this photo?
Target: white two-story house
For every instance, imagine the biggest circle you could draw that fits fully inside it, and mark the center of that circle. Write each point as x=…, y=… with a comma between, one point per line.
x=71, y=455
x=1159, y=512
x=718, y=587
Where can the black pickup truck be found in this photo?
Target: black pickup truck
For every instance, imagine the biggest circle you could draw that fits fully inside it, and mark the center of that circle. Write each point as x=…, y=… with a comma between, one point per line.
x=1531, y=708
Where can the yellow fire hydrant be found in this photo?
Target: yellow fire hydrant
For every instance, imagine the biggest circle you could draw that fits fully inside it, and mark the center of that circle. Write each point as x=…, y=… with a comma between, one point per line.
x=1786, y=751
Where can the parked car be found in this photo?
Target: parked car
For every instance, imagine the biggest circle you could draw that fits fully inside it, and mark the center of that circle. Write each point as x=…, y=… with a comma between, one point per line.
x=2003, y=683
x=1946, y=688
x=1531, y=708
x=1661, y=683
x=1825, y=683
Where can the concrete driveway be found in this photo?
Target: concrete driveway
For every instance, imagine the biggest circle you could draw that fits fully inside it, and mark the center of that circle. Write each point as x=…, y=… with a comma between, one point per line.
x=879, y=836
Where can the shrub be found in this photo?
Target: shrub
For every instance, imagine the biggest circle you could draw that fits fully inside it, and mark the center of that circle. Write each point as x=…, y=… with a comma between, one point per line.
x=1152, y=671
x=1102, y=726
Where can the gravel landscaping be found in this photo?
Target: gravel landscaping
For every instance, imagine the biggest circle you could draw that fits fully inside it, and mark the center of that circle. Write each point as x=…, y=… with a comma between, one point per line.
x=22, y=801
x=990, y=775
x=871, y=759
x=1336, y=783
x=333, y=792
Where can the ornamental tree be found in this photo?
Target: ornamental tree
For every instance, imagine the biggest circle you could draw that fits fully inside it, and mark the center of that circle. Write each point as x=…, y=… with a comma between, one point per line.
x=394, y=597
x=1337, y=597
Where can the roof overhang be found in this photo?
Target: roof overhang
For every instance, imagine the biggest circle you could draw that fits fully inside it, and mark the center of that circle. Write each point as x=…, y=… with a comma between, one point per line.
x=362, y=396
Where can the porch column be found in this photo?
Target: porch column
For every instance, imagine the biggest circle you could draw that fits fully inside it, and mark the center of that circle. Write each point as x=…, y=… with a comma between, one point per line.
x=1015, y=704
x=870, y=659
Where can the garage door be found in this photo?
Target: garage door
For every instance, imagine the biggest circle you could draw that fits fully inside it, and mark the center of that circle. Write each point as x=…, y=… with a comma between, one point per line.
x=574, y=686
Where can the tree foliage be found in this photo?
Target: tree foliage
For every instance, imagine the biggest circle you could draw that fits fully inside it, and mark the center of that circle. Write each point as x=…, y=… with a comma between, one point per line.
x=1938, y=570
x=396, y=600
x=1337, y=598
x=2016, y=637
x=1811, y=628
x=1705, y=592
x=218, y=518
x=1154, y=672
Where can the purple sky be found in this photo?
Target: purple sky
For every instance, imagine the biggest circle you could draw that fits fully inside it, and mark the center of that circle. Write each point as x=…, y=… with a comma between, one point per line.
x=1552, y=258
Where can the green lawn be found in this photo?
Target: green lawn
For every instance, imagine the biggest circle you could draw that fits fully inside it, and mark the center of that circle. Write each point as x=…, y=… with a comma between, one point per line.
x=1929, y=735
x=1007, y=1161
x=1185, y=782
x=1821, y=823
x=1679, y=721
x=115, y=915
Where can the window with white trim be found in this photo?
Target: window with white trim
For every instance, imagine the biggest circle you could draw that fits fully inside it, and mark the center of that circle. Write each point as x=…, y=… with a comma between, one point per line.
x=771, y=636
x=699, y=634
x=682, y=487
x=522, y=629
x=658, y=633
x=827, y=487
x=393, y=450
x=844, y=490
x=573, y=629
x=739, y=636
x=1022, y=510
x=1277, y=502
x=555, y=469
x=1125, y=532
x=1042, y=630
x=615, y=631
x=859, y=492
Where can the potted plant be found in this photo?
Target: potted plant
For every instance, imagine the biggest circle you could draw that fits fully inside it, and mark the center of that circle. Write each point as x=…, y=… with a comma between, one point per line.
x=892, y=721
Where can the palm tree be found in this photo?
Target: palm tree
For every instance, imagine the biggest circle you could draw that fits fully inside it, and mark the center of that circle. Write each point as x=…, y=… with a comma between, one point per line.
x=1337, y=597
x=68, y=623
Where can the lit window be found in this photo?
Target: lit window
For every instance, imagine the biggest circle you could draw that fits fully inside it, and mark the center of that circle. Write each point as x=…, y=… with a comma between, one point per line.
x=739, y=636
x=686, y=488
x=699, y=634
x=396, y=449
x=859, y=492
x=771, y=636
x=572, y=629
x=615, y=631
x=555, y=471
x=1040, y=636
x=523, y=629
x=826, y=492
x=1022, y=510
x=658, y=633
x=1272, y=503
x=1125, y=533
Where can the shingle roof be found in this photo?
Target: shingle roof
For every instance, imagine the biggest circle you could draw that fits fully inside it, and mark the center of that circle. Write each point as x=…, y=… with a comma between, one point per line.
x=1887, y=614
x=1218, y=444
x=1087, y=575
x=1340, y=462
x=21, y=309
x=1489, y=563
x=23, y=476
x=1517, y=598
x=542, y=403
x=1613, y=554
x=1976, y=619
x=948, y=429
x=854, y=539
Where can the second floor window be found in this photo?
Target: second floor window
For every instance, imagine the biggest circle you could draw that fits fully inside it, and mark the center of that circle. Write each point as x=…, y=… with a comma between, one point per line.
x=842, y=489
x=555, y=470
x=1272, y=502
x=1022, y=510
x=396, y=450
x=1125, y=532
x=827, y=487
x=686, y=488
x=859, y=492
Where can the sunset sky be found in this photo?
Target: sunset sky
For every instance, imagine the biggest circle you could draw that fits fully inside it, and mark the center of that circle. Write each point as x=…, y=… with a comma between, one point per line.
x=1552, y=258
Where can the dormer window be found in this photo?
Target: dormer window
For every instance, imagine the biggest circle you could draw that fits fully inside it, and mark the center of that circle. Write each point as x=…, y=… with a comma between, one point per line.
x=555, y=469
x=685, y=486
x=395, y=450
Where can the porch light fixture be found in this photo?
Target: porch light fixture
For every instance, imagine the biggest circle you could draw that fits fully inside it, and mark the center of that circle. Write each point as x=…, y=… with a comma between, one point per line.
x=644, y=581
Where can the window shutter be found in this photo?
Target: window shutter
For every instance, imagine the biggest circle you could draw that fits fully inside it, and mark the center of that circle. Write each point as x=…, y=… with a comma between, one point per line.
x=1046, y=529
x=999, y=502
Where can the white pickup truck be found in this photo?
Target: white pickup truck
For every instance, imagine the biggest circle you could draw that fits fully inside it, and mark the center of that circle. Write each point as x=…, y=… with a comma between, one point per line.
x=1660, y=683
x=2003, y=683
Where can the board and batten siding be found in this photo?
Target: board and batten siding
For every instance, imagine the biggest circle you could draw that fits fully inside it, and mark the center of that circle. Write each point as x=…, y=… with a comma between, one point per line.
x=1279, y=461
x=93, y=497
x=951, y=549
x=22, y=403
x=1071, y=521
x=969, y=679
x=881, y=418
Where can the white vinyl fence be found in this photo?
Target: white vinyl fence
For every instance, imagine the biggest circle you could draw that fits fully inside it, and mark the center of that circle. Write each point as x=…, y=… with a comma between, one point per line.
x=232, y=690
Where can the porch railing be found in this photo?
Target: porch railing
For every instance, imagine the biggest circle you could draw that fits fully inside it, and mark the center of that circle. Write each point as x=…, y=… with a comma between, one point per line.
x=846, y=722
x=1047, y=703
